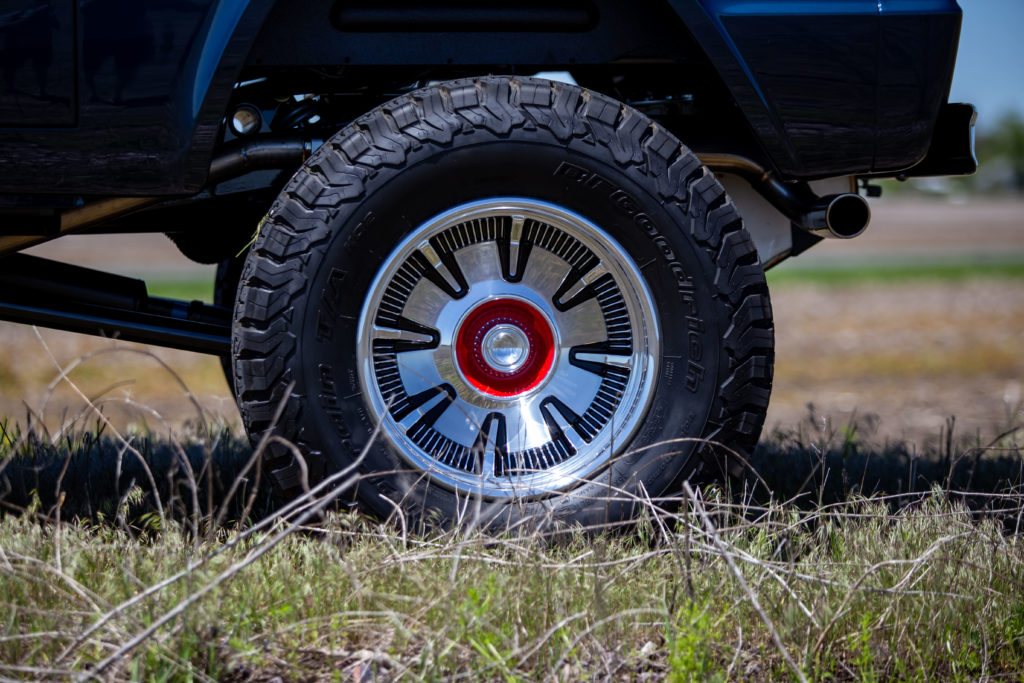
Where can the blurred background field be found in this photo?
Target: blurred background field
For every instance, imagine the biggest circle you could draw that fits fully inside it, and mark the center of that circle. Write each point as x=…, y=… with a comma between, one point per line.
x=920, y=319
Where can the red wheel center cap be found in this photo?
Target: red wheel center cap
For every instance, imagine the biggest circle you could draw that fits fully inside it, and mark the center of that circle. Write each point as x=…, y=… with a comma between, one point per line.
x=505, y=347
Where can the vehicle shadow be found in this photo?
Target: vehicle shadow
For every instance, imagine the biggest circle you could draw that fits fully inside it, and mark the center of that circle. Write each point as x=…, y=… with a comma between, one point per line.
x=99, y=477
x=102, y=478
x=817, y=464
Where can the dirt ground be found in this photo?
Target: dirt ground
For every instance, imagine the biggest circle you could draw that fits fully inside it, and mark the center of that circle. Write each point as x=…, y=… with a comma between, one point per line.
x=901, y=357
x=905, y=357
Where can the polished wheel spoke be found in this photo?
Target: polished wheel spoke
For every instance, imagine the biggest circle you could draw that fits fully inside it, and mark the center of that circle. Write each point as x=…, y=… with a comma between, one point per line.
x=513, y=250
x=443, y=270
x=620, y=361
x=423, y=339
x=601, y=358
x=491, y=443
x=412, y=405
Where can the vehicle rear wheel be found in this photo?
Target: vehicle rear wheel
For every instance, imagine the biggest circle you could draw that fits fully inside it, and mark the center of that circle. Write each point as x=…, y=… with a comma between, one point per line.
x=544, y=301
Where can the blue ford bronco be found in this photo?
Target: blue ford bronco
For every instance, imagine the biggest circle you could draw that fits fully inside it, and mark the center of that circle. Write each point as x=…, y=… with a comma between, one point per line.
x=469, y=282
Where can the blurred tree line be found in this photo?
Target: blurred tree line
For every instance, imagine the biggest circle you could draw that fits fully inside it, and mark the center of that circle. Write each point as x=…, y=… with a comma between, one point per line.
x=1000, y=151
x=1002, y=148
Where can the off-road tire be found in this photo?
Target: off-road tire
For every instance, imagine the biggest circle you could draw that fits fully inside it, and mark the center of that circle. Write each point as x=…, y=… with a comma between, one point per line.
x=342, y=216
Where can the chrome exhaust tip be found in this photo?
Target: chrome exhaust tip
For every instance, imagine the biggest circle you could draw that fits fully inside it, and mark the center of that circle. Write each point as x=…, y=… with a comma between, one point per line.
x=840, y=216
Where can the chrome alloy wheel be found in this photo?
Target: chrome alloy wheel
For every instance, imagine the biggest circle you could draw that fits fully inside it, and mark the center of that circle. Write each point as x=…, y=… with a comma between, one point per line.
x=509, y=347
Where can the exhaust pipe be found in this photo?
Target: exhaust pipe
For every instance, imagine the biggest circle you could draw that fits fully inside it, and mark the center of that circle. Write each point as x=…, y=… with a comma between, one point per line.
x=840, y=216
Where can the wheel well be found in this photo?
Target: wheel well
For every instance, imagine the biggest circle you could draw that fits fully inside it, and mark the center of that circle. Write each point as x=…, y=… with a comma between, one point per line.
x=352, y=60
x=347, y=63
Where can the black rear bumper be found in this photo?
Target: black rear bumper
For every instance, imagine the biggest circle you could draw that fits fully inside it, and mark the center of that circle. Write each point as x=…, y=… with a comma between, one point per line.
x=952, y=148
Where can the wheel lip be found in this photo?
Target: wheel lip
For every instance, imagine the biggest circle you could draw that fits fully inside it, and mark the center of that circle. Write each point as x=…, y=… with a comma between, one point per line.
x=542, y=482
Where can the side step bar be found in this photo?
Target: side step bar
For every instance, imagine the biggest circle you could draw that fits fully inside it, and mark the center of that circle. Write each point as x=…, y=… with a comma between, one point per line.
x=38, y=291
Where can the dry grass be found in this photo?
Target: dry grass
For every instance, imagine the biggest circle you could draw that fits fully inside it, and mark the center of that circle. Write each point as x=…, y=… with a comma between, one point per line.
x=921, y=580
x=912, y=354
x=862, y=549
x=853, y=591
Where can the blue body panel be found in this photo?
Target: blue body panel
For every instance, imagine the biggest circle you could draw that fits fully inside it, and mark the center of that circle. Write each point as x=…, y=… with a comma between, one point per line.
x=147, y=71
x=128, y=96
x=37, y=62
x=222, y=26
x=844, y=86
